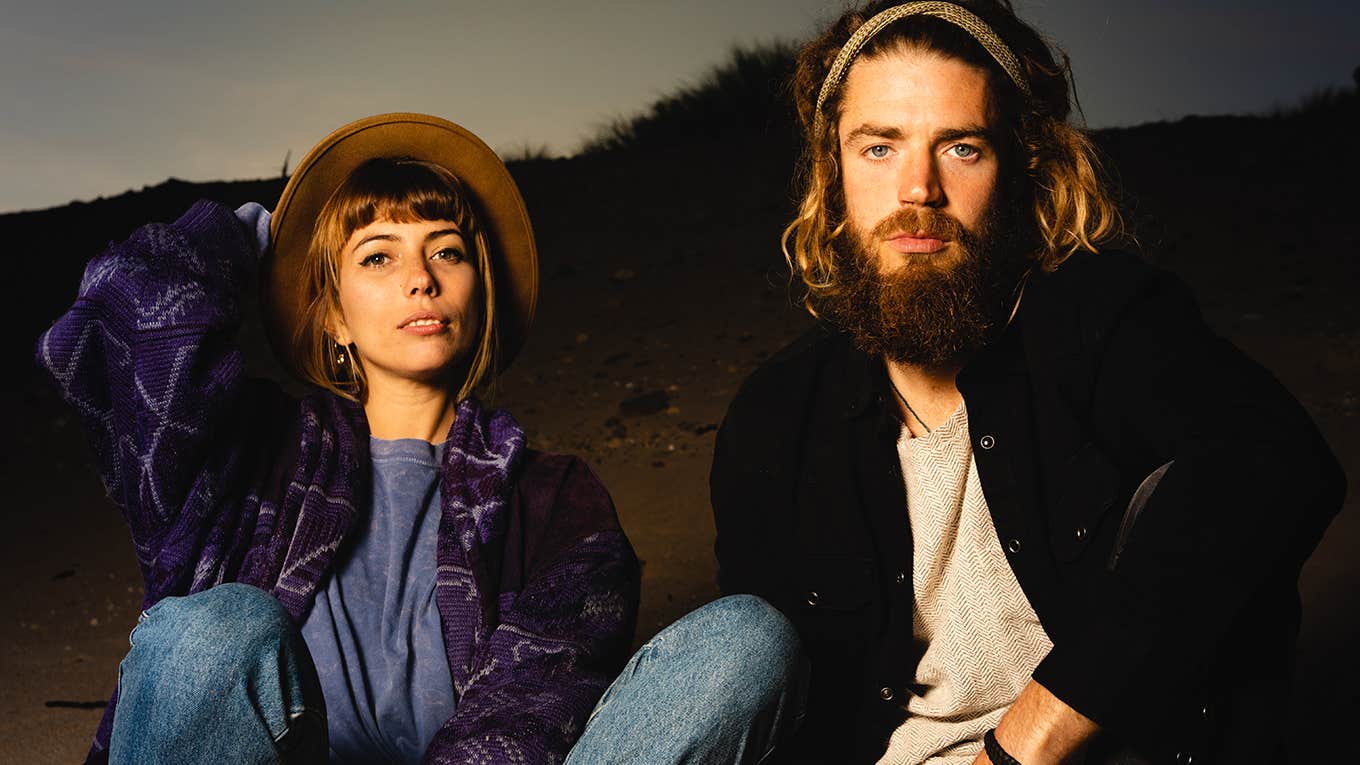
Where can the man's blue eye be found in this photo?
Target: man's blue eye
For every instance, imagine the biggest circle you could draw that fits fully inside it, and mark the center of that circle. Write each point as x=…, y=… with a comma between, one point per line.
x=878, y=152
x=964, y=151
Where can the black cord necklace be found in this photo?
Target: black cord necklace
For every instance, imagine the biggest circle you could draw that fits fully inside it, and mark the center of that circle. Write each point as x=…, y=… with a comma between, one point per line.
x=1019, y=293
x=903, y=399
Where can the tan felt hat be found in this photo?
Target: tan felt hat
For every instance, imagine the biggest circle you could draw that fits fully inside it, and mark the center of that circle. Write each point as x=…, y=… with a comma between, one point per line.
x=495, y=198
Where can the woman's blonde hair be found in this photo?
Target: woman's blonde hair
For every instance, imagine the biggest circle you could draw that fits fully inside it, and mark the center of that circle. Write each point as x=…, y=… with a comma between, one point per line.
x=401, y=191
x=1072, y=206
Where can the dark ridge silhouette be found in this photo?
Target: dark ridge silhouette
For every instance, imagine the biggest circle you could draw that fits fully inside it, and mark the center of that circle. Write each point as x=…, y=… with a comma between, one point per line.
x=741, y=103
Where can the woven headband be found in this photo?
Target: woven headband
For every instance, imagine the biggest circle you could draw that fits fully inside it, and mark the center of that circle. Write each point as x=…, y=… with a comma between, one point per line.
x=954, y=14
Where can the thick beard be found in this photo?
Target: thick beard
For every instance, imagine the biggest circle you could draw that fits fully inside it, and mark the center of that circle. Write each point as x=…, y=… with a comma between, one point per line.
x=932, y=310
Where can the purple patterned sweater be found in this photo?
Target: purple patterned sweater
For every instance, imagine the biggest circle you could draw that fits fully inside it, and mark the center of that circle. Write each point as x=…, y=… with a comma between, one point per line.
x=224, y=478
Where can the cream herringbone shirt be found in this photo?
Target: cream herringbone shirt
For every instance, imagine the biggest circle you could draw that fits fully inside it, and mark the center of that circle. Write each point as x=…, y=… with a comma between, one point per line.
x=981, y=638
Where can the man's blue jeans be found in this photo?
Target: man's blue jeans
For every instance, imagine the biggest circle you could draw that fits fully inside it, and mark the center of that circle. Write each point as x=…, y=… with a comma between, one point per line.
x=224, y=676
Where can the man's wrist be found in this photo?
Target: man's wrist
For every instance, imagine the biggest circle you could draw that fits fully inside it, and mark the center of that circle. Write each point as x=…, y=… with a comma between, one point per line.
x=1040, y=729
x=994, y=750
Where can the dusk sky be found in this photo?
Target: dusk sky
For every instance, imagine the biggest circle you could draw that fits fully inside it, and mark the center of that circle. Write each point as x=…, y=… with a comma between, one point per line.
x=113, y=96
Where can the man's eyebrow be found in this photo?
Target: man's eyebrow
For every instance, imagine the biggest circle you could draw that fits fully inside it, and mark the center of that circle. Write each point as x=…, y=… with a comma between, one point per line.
x=968, y=131
x=870, y=130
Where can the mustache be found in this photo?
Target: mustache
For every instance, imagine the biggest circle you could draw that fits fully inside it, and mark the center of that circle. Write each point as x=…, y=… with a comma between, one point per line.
x=921, y=221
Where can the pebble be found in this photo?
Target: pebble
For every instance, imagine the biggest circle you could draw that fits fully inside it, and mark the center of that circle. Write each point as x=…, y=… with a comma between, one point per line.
x=644, y=404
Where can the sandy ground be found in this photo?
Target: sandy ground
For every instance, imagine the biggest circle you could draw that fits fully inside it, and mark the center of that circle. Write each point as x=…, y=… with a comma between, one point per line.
x=648, y=323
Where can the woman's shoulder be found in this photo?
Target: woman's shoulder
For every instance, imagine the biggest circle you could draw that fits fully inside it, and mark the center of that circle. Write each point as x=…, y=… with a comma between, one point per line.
x=560, y=493
x=548, y=475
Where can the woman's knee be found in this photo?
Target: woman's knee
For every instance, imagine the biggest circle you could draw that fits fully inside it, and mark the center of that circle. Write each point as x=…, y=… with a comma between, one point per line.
x=221, y=626
x=724, y=679
x=223, y=665
x=741, y=638
x=752, y=623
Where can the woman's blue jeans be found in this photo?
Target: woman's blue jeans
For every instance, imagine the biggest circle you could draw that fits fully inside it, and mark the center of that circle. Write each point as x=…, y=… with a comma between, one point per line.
x=220, y=676
x=224, y=676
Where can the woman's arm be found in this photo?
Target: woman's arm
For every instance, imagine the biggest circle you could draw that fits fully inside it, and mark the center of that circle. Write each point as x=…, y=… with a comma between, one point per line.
x=563, y=634
x=145, y=357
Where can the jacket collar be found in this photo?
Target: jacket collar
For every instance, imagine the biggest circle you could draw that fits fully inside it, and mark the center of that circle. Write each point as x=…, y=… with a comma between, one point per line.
x=481, y=456
x=868, y=392
x=481, y=463
x=865, y=383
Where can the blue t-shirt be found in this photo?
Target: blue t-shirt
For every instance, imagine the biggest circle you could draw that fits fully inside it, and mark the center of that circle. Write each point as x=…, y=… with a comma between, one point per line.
x=374, y=631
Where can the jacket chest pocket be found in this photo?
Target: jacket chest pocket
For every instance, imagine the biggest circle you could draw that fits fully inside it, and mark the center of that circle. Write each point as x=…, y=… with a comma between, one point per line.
x=1086, y=489
x=830, y=590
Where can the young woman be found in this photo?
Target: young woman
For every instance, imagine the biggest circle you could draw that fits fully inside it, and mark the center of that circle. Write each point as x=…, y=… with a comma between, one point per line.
x=383, y=562
x=380, y=571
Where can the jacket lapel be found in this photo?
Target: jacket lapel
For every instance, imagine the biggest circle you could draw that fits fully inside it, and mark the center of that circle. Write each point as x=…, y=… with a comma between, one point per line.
x=481, y=456
x=882, y=494
x=996, y=389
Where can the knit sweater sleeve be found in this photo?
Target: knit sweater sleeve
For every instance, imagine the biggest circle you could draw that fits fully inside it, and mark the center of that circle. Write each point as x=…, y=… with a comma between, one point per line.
x=144, y=356
x=561, y=637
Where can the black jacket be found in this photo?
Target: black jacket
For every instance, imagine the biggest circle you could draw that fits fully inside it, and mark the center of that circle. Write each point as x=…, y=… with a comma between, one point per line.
x=1173, y=613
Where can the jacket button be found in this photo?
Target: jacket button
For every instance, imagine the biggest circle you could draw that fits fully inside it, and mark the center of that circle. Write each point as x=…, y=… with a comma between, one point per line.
x=813, y=598
x=1184, y=758
x=885, y=693
x=1081, y=533
x=1204, y=713
x=1013, y=546
x=987, y=442
x=901, y=577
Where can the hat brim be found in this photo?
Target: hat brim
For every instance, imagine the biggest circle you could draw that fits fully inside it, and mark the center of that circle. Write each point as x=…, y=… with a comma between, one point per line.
x=495, y=198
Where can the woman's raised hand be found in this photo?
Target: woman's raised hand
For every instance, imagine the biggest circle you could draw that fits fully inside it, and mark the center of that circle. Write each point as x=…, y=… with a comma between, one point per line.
x=256, y=221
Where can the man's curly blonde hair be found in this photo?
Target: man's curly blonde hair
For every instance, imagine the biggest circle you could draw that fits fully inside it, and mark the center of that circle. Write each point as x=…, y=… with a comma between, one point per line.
x=1053, y=165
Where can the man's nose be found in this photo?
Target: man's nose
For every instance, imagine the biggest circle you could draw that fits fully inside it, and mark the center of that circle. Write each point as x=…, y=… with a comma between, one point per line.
x=918, y=182
x=421, y=280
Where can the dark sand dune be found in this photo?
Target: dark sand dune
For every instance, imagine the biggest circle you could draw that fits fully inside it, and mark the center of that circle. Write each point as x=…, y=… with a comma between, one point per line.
x=662, y=288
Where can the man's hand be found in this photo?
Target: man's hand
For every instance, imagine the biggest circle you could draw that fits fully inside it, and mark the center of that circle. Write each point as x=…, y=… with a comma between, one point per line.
x=1039, y=729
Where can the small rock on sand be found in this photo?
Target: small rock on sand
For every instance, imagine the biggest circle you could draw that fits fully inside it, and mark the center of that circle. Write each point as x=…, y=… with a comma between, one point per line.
x=644, y=404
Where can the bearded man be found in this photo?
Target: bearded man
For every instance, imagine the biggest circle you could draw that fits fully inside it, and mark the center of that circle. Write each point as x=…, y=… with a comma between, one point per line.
x=1020, y=503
